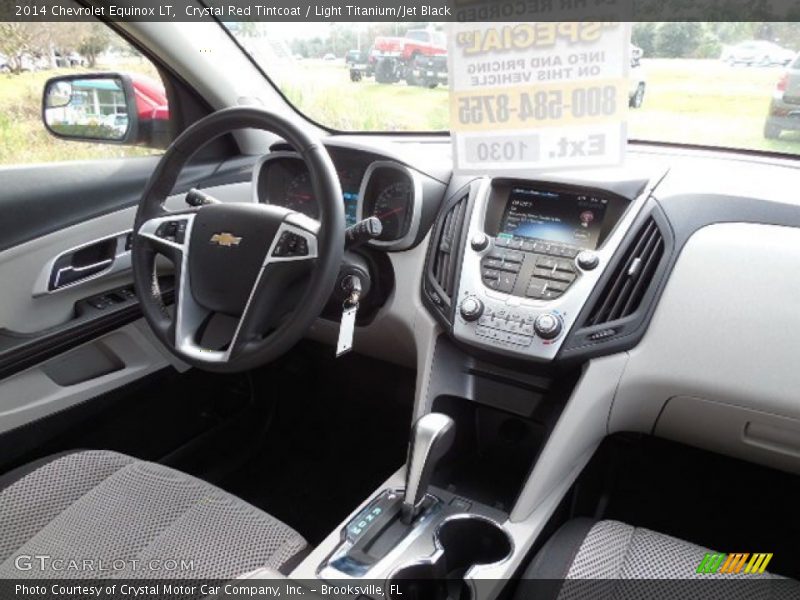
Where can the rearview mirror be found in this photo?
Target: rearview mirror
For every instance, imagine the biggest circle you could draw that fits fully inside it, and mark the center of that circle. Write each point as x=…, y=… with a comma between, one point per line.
x=119, y=108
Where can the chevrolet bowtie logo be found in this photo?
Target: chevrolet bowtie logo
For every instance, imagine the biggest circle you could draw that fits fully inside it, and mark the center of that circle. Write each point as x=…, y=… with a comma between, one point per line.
x=225, y=239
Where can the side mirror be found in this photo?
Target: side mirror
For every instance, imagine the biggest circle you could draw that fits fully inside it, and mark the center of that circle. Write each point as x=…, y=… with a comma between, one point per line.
x=116, y=108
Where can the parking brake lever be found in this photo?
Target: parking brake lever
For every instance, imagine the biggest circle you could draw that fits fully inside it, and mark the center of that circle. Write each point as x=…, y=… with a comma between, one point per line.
x=431, y=438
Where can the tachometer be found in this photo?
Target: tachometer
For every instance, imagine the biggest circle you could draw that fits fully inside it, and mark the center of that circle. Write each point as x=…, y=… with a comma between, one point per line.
x=300, y=196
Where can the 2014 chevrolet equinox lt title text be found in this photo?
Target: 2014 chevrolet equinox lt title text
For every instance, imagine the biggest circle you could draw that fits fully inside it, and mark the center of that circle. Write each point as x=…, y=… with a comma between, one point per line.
x=286, y=312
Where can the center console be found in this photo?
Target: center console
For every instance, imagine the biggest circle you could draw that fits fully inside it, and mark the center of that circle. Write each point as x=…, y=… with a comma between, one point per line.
x=418, y=532
x=531, y=253
x=512, y=266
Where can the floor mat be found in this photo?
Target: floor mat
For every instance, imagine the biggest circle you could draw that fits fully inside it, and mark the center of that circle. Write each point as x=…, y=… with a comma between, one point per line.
x=339, y=429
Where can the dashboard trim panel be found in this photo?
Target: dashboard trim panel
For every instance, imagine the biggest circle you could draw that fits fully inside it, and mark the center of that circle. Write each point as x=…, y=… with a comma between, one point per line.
x=416, y=204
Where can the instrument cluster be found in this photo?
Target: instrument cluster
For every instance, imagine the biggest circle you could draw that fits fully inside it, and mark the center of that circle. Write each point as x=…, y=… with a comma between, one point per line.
x=384, y=189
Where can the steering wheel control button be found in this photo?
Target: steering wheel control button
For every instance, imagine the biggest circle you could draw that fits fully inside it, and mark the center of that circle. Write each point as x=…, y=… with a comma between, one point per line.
x=588, y=261
x=290, y=245
x=471, y=309
x=547, y=326
x=172, y=231
x=479, y=242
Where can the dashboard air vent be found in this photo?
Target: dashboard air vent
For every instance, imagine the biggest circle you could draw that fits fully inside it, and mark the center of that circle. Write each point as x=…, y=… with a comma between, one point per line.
x=630, y=280
x=444, y=266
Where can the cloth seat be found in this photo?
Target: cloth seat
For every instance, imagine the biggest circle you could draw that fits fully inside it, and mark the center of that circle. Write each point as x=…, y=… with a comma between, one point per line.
x=98, y=514
x=611, y=560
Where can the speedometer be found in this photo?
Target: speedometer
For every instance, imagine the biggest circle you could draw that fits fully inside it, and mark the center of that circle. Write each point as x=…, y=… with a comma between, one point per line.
x=390, y=194
x=392, y=208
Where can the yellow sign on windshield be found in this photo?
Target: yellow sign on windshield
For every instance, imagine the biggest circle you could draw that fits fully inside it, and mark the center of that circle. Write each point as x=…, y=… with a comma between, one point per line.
x=538, y=96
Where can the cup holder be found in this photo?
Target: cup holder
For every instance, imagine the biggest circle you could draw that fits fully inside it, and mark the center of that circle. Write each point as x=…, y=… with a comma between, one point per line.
x=464, y=542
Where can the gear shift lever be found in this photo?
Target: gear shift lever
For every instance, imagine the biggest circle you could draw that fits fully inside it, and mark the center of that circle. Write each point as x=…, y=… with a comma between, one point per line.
x=431, y=438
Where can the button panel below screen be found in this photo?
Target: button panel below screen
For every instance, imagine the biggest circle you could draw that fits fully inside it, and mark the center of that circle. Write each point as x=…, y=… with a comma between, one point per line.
x=536, y=270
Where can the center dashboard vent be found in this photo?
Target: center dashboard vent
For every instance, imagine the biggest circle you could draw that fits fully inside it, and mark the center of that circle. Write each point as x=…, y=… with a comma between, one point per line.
x=443, y=266
x=630, y=280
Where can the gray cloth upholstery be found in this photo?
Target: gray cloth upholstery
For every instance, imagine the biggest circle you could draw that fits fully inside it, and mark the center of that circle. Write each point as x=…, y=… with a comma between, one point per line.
x=614, y=561
x=136, y=517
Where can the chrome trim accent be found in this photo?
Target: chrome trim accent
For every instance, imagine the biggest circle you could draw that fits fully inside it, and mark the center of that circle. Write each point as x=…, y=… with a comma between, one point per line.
x=438, y=551
x=431, y=437
x=120, y=262
x=258, y=167
x=416, y=203
x=96, y=268
x=149, y=228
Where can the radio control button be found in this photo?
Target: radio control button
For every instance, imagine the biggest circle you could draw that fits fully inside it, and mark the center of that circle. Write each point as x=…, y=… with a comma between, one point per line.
x=536, y=289
x=479, y=242
x=514, y=256
x=490, y=274
x=557, y=286
x=562, y=276
x=511, y=267
x=553, y=274
x=569, y=252
x=506, y=282
x=492, y=263
x=587, y=260
x=565, y=265
x=544, y=262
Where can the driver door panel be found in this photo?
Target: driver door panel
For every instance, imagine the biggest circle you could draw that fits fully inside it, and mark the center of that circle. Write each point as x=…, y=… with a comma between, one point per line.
x=64, y=344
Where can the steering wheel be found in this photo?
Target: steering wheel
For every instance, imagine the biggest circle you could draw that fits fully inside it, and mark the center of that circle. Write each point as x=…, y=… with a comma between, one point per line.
x=270, y=268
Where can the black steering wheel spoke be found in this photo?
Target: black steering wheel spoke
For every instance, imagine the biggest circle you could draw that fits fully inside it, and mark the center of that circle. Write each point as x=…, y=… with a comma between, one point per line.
x=281, y=282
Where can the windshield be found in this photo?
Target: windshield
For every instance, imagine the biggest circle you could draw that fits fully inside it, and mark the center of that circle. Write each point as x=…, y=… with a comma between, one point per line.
x=700, y=83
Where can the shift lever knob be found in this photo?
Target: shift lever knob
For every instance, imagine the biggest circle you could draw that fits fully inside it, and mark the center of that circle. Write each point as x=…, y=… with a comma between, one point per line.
x=431, y=438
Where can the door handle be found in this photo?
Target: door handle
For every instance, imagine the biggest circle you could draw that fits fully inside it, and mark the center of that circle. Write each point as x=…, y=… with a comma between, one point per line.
x=82, y=263
x=98, y=258
x=71, y=274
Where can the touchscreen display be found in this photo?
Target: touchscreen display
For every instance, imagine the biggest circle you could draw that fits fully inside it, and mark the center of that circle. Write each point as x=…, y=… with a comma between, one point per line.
x=575, y=219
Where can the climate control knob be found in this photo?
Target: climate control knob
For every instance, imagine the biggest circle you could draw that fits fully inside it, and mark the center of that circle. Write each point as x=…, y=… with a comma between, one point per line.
x=548, y=326
x=471, y=309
